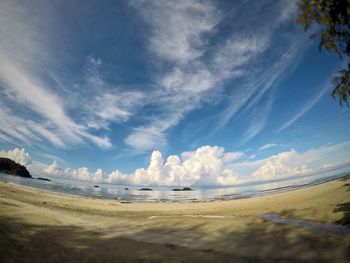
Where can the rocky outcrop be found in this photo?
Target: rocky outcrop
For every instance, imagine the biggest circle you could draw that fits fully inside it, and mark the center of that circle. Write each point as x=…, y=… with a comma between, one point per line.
x=11, y=167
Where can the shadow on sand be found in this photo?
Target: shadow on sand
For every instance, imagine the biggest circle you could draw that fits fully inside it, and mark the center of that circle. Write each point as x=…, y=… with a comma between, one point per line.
x=259, y=242
x=344, y=207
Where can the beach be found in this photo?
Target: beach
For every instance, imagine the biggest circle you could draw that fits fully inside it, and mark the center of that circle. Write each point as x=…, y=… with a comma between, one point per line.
x=304, y=225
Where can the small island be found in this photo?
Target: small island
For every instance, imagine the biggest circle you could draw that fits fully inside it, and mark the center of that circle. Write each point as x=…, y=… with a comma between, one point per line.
x=11, y=167
x=182, y=189
x=43, y=179
x=145, y=189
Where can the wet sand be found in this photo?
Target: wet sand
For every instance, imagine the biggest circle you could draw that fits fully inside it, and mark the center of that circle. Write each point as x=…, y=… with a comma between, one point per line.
x=38, y=226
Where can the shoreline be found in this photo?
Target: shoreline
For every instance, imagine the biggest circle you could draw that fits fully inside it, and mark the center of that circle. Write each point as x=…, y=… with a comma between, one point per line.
x=254, y=201
x=70, y=228
x=272, y=191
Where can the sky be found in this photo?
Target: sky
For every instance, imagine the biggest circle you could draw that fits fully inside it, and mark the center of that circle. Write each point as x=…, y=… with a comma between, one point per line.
x=167, y=92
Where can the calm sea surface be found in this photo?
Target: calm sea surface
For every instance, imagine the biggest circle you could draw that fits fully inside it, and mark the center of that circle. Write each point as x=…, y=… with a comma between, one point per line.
x=165, y=194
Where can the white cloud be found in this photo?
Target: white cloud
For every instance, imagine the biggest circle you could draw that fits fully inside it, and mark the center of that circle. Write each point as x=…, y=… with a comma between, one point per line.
x=112, y=107
x=5, y=138
x=146, y=138
x=258, y=82
x=118, y=177
x=268, y=146
x=258, y=121
x=53, y=169
x=204, y=166
x=179, y=33
x=177, y=27
x=211, y=165
x=237, y=52
x=82, y=174
x=207, y=165
x=26, y=55
x=293, y=163
x=282, y=165
x=92, y=75
x=178, y=36
x=13, y=126
x=31, y=131
x=31, y=93
x=18, y=155
x=101, y=102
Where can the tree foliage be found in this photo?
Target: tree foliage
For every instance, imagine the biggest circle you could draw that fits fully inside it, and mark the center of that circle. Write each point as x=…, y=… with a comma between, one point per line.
x=332, y=18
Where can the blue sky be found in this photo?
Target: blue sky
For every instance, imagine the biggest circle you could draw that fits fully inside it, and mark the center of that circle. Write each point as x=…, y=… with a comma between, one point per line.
x=119, y=85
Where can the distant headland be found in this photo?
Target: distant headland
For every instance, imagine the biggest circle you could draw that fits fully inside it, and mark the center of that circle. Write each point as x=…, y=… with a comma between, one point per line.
x=11, y=167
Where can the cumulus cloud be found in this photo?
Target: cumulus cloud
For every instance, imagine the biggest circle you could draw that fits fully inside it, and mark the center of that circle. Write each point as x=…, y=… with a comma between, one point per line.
x=212, y=165
x=282, y=165
x=18, y=155
x=81, y=174
x=204, y=166
x=207, y=165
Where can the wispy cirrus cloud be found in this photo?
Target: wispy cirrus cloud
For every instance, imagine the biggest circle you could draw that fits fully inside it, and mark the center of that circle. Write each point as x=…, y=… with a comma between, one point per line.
x=258, y=81
x=30, y=79
x=196, y=52
x=177, y=37
x=307, y=106
x=177, y=27
x=29, y=92
x=268, y=146
x=195, y=68
x=258, y=122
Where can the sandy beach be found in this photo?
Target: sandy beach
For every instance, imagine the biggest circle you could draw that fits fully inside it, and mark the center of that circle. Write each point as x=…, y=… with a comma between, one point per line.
x=309, y=226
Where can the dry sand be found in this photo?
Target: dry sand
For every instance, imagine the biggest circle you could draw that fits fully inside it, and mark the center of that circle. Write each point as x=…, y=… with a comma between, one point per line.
x=38, y=226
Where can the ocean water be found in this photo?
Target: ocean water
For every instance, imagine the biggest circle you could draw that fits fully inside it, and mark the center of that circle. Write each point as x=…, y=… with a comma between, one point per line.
x=165, y=194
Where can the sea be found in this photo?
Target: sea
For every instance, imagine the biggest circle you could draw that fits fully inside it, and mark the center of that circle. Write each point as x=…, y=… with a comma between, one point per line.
x=132, y=193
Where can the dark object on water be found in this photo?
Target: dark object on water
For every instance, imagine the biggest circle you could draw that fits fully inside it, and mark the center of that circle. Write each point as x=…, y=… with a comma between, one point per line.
x=125, y=202
x=96, y=186
x=126, y=188
x=10, y=167
x=43, y=179
x=145, y=189
x=182, y=189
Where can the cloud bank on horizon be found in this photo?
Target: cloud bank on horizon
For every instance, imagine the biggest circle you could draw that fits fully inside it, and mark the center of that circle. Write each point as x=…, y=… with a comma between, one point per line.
x=114, y=83
x=206, y=166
